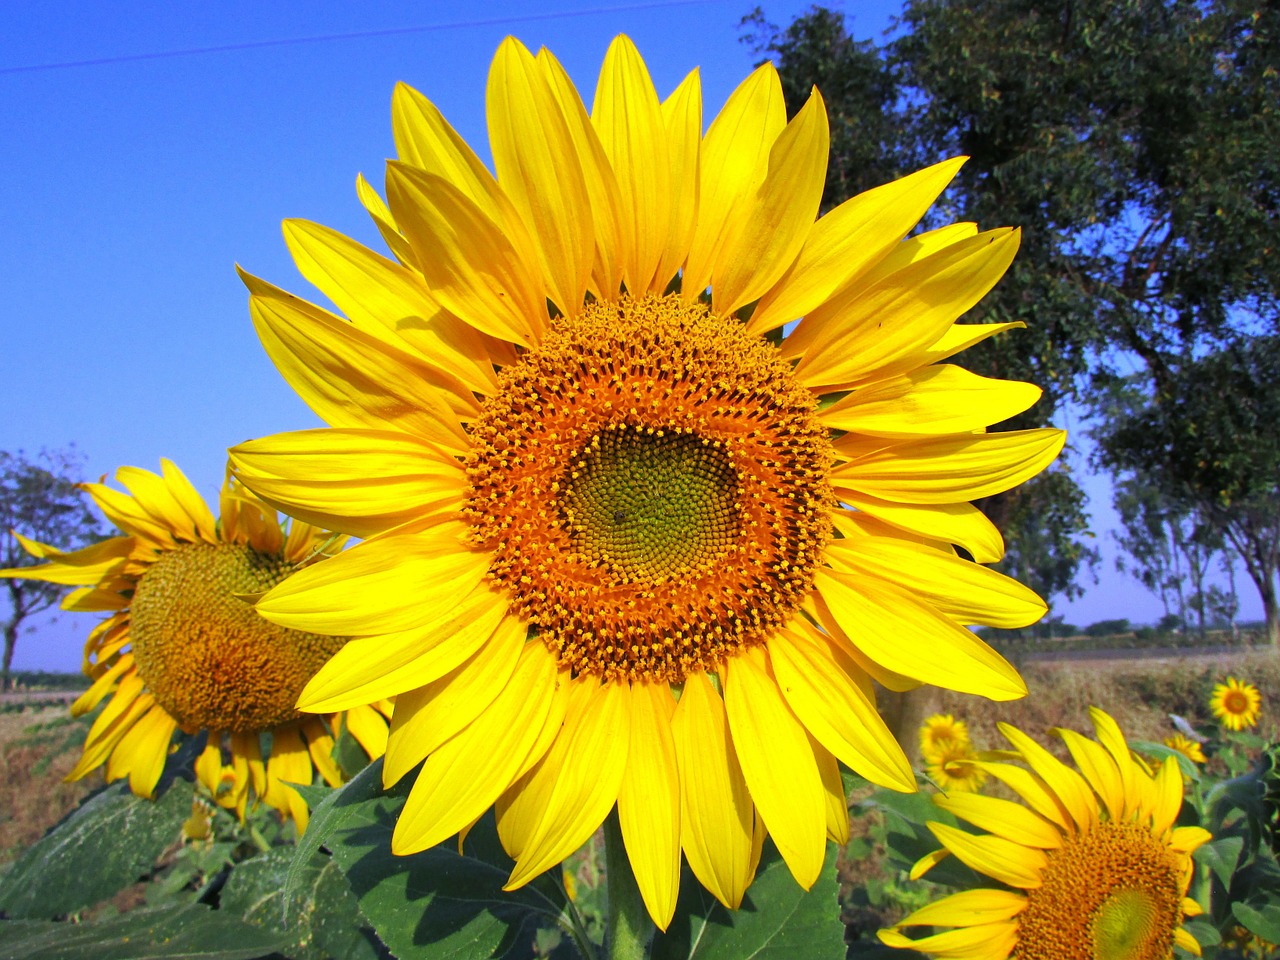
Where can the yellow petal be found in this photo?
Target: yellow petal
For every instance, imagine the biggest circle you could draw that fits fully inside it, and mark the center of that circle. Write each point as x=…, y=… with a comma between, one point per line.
x=1003, y=818
x=847, y=240
x=1000, y=859
x=911, y=638
x=837, y=711
x=1109, y=736
x=320, y=745
x=1033, y=790
x=649, y=800
x=1187, y=839
x=958, y=523
x=427, y=717
x=388, y=300
x=717, y=817
x=102, y=685
x=1186, y=941
x=950, y=469
x=349, y=378
x=143, y=750
x=363, y=590
x=369, y=729
x=74, y=567
x=208, y=765
x=933, y=400
x=598, y=175
x=990, y=941
x=576, y=784
x=968, y=908
x=383, y=220
x=775, y=222
x=465, y=775
x=778, y=764
x=837, y=804
x=682, y=117
x=373, y=668
x=538, y=168
x=967, y=591
x=628, y=118
x=734, y=164
x=1068, y=785
x=1099, y=769
x=962, y=336
x=1167, y=792
x=355, y=481
x=472, y=267
x=902, y=314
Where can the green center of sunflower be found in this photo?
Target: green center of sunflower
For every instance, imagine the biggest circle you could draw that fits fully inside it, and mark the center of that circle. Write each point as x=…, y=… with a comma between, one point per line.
x=205, y=654
x=652, y=484
x=1124, y=924
x=651, y=505
x=1113, y=893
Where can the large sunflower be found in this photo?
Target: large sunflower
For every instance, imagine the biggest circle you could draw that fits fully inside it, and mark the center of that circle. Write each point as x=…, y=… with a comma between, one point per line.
x=626, y=542
x=1093, y=866
x=184, y=648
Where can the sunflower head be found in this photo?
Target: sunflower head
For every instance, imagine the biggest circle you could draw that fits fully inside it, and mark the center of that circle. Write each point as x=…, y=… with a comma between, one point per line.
x=183, y=648
x=941, y=732
x=1191, y=749
x=1236, y=704
x=955, y=765
x=669, y=470
x=1092, y=865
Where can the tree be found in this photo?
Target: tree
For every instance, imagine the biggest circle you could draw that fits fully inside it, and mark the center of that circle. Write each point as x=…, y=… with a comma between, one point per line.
x=39, y=499
x=1209, y=438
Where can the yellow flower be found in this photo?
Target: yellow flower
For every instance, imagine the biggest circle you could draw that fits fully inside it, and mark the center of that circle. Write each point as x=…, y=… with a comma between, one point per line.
x=1096, y=866
x=184, y=648
x=627, y=543
x=1186, y=746
x=1236, y=704
x=940, y=732
x=953, y=766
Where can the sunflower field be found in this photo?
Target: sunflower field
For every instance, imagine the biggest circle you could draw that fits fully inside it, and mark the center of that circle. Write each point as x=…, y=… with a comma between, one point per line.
x=645, y=486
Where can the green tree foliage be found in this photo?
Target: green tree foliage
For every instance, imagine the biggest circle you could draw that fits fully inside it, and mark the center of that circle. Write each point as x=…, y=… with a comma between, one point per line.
x=1133, y=143
x=40, y=500
x=1209, y=439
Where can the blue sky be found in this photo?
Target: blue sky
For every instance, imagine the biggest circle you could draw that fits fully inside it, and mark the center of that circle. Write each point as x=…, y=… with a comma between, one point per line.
x=130, y=188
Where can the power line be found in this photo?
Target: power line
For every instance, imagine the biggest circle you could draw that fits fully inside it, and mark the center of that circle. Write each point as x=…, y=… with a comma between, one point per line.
x=329, y=37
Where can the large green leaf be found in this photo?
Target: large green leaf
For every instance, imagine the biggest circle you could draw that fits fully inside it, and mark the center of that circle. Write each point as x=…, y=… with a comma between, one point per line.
x=440, y=904
x=175, y=932
x=1263, y=921
x=777, y=920
x=322, y=920
x=1221, y=856
x=111, y=841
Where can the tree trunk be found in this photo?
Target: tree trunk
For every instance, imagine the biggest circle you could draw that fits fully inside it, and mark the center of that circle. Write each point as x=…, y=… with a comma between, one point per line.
x=904, y=713
x=10, y=641
x=1270, y=612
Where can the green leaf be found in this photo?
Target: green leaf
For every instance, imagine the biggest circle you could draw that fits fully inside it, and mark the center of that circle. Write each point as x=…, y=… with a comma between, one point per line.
x=1206, y=933
x=175, y=932
x=111, y=841
x=439, y=903
x=777, y=920
x=1221, y=856
x=1264, y=921
x=322, y=922
x=328, y=815
x=1149, y=748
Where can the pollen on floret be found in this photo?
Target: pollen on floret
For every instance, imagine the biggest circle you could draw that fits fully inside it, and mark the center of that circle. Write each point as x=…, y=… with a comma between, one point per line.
x=652, y=484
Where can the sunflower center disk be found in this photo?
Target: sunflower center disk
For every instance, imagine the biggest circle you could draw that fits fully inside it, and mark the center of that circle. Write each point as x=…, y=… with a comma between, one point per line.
x=1110, y=894
x=652, y=484
x=651, y=506
x=208, y=658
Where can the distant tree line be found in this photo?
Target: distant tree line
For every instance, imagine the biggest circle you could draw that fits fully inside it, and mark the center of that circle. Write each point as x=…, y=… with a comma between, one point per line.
x=1135, y=144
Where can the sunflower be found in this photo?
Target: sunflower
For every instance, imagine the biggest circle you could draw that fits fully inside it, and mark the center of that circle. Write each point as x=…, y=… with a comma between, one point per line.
x=1236, y=704
x=626, y=542
x=1096, y=866
x=184, y=649
x=953, y=766
x=1189, y=748
x=940, y=733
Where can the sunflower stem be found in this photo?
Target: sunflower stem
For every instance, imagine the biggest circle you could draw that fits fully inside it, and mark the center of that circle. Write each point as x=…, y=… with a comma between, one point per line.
x=628, y=929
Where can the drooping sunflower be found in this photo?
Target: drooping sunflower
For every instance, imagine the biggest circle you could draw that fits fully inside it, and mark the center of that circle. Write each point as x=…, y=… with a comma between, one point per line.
x=626, y=542
x=1189, y=748
x=183, y=647
x=1092, y=864
x=1236, y=704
